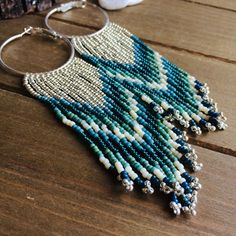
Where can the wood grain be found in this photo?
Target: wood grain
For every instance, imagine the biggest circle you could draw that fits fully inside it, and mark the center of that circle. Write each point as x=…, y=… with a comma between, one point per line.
x=51, y=184
x=226, y=5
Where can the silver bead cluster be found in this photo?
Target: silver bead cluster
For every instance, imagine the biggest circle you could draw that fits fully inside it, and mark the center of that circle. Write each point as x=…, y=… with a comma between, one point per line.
x=148, y=187
x=128, y=184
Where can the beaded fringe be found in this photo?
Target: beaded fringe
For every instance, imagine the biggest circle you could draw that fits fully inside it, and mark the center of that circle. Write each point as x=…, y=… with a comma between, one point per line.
x=120, y=99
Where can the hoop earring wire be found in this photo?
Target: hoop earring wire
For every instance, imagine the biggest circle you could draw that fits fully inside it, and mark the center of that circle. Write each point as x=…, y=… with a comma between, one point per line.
x=72, y=5
x=36, y=31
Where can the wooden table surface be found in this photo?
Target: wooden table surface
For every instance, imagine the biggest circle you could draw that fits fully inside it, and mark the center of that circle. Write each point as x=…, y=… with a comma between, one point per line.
x=50, y=184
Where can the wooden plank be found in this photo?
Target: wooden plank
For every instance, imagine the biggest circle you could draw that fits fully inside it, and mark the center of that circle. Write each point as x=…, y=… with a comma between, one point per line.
x=49, y=180
x=181, y=24
x=226, y=5
x=11, y=226
x=214, y=72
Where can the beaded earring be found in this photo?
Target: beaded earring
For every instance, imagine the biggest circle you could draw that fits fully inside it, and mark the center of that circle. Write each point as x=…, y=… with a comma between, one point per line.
x=177, y=95
x=119, y=124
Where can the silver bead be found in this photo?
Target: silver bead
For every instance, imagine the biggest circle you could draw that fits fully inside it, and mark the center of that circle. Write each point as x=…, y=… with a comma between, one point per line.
x=158, y=109
x=195, y=185
x=148, y=187
x=176, y=208
x=166, y=189
x=128, y=184
x=210, y=127
x=178, y=189
x=197, y=166
x=221, y=125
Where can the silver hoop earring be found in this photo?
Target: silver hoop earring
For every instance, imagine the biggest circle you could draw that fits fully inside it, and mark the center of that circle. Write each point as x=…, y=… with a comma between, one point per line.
x=36, y=31
x=73, y=5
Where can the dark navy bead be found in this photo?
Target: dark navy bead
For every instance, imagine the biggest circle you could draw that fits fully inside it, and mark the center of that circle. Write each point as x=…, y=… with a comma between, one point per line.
x=139, y=182
x=192, y=123
x=124, y=175
x=197, y=86
x=185, y=160
x=113, y=170
x=213, y=121
x=186, y=187
x=206, y=104
x=173, y=197
x=177, y=131
x=180, y=141
x=184, y=201
x=183, y=149
x=188, y=177
x=155, y=182
x=213, y=114
x=202, y=122
x=167, y=181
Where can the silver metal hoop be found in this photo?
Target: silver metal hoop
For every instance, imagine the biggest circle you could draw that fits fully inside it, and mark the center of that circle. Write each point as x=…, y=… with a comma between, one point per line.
x=30, y=31
x=71, y=5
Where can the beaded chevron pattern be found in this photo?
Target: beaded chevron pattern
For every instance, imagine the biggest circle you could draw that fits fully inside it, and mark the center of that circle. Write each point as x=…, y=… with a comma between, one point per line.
x=178, y=95
x=124, y=129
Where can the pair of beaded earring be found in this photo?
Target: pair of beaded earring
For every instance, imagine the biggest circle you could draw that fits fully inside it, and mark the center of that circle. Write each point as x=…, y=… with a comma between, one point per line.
x=121, y=97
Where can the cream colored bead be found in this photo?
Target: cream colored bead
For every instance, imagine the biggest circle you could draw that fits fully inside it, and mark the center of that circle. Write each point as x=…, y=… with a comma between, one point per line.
x=107, y=165
x=159, y=174
x=138, y=129
x=95, y=126
x=202, y=115
x=138, y=138
x=173, y=135
x=133, y=114
x=174, y=144
x=165, y=105
x=202, y=108
x=85, y=124
x=145, y=173
x=186, y=116
x=178, y=177
x=132, y=101
x=196, y=117
x=119, y=76
x=179, y=166
x=131, y=173
x=129, y=136
x=105, y=129
x=129, y=93
x=176, y=153
x=118, y=133
x=119, y=167
x=110, y=74
x=134, y=107
x=146, y=99
x=102, y=159
x=168, y=124
x=68, y=122
x=197, y=97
